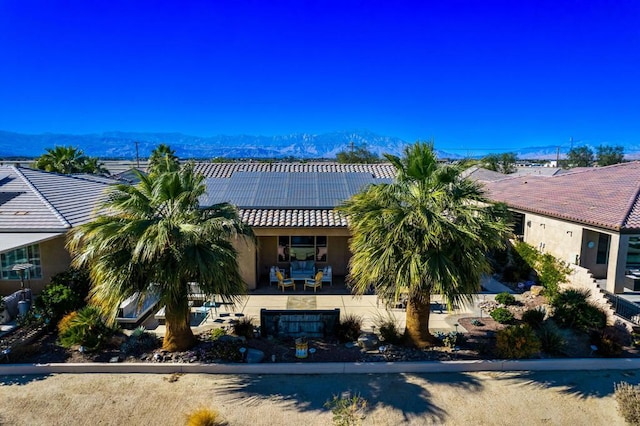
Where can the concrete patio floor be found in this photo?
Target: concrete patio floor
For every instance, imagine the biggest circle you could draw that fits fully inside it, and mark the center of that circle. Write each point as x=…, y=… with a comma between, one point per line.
x=368, y=307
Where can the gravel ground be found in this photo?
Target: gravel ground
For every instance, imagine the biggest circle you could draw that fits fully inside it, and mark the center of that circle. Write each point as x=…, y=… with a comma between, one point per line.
x=524, y=398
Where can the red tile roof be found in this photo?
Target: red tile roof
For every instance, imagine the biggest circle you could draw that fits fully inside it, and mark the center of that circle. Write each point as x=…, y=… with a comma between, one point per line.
x=605, y=197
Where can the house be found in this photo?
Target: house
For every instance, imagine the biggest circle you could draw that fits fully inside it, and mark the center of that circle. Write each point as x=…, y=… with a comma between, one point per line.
x=589, y=217
x=291, y=208
x=37, y=209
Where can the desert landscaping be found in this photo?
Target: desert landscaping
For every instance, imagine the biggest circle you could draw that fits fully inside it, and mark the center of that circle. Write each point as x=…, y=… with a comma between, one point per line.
x=494, y=398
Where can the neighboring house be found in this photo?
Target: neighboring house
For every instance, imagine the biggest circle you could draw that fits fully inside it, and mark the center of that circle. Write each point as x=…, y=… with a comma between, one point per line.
x=589, y=217
x=290, y=207
x=37, y=209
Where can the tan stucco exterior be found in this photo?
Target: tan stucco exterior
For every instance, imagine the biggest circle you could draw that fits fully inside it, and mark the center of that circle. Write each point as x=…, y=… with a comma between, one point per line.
x=578, y=244
x=54, y=258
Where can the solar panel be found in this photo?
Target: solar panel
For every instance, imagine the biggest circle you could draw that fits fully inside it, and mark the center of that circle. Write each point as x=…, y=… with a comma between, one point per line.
x=287, y=190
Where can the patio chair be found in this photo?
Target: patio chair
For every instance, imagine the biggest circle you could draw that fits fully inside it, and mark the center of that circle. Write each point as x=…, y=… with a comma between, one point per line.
x=314, y=282
x=282, y=282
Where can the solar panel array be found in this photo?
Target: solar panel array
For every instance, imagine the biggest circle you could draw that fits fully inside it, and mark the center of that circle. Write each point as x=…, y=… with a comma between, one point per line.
x=287, y=190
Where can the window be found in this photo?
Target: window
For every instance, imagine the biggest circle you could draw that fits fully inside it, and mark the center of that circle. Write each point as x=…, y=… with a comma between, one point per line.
x=602, y=256
x=633, y=252
x=28, y=254
x=302, y=247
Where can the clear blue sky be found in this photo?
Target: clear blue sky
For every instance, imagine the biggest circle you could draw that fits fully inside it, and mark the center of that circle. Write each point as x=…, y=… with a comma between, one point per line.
x=472, y=75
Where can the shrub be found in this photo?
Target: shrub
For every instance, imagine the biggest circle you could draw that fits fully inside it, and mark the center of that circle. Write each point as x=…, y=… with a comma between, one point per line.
x=244, y=328
x=551, y=341
x=505, y=298
x=347, y=409
x=572, y=310
x=348, y=329
x=84, y=328
x=502, y=315
x=477, y=322
x=628, y=399
x=76, y=279
x=204, y=417
x=57, y=300
x=388, y=328
x=217, y=333
x=453, y=339
x=517, y=342
x=139, y=342
x=609, y=341
x=534, y=317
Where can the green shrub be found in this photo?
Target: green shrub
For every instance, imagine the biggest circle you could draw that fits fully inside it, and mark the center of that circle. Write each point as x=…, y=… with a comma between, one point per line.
x=516, y=342
x=57, y=300
x=572, y=310
x=139, y=342
x=388, y=328
x=551, y=341
x=453, y=339
x=347, y=410
x=505, y=298
x=502, y=315
x=217, y=333
x=551, y=271
x=244, y=328
x=628, y=399
x=534, y=317
x=348, y=329
x=609, y=341
x=204, y=417
x=84, y=328
x=76, y=279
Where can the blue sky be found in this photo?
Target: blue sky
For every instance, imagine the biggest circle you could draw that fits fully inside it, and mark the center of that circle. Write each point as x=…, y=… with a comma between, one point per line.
x=476, y=75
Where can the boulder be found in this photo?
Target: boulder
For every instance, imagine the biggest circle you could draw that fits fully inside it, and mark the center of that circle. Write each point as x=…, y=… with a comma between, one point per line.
x=368, y=341
x=254, y=356
x=536, y=290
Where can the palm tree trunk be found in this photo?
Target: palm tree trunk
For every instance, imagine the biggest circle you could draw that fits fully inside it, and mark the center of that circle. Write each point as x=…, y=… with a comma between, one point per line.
x=178, y=335
x=416, y=332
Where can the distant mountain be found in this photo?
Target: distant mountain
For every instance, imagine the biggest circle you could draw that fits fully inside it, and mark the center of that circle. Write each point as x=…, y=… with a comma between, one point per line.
x=123, y=144
x=631, y=152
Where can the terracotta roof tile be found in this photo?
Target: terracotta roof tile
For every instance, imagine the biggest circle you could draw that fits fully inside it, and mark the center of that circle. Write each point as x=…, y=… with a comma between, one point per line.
x=320, y=218
x=605, y=197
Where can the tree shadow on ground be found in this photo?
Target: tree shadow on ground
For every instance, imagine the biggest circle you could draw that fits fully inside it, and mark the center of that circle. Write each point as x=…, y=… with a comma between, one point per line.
x=406, y=393
x=581, y=384
x=22, y=380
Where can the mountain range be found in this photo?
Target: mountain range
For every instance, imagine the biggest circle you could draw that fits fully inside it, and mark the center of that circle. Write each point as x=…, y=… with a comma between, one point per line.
x=122, y=145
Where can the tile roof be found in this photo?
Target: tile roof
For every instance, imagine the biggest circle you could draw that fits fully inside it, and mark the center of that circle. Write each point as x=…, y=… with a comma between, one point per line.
x=482, y=174
x=605, y=197
x=225, y=170
x=37, y=201
x=293, y=218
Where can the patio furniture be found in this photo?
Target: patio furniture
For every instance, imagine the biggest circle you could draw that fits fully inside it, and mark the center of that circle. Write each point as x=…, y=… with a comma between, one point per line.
x=302, y=269
x=283, y=283
x=327, y=275
x=632, y=282
x=272, y=275
x=314, y=282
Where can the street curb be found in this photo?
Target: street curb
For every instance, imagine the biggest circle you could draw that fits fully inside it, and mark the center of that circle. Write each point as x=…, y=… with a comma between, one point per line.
x=325, y=368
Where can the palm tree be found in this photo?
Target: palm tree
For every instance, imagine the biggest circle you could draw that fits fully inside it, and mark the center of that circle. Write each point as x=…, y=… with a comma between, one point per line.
x=68, y=160
x=156, y=238
x=163, y=159
x=426, y=233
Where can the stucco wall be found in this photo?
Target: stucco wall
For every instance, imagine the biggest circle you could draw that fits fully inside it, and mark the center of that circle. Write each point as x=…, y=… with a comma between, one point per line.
x=247, y=261
x=54, y=259
x=561, y=239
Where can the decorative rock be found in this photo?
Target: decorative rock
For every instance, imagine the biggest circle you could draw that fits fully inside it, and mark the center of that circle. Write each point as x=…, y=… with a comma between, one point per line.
x=350, y=345
x=114, y=360
x=536, y=290
x=368, y=341
x=254, y=356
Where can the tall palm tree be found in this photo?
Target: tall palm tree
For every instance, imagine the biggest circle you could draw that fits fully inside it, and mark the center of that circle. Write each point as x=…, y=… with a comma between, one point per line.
x=155, y=238
x=163, y=159
x=426, y=233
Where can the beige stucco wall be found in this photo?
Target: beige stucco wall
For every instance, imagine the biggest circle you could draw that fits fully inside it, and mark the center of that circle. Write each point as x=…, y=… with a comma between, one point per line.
x=566, y=240
x=54, y=259
x=247, y=261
